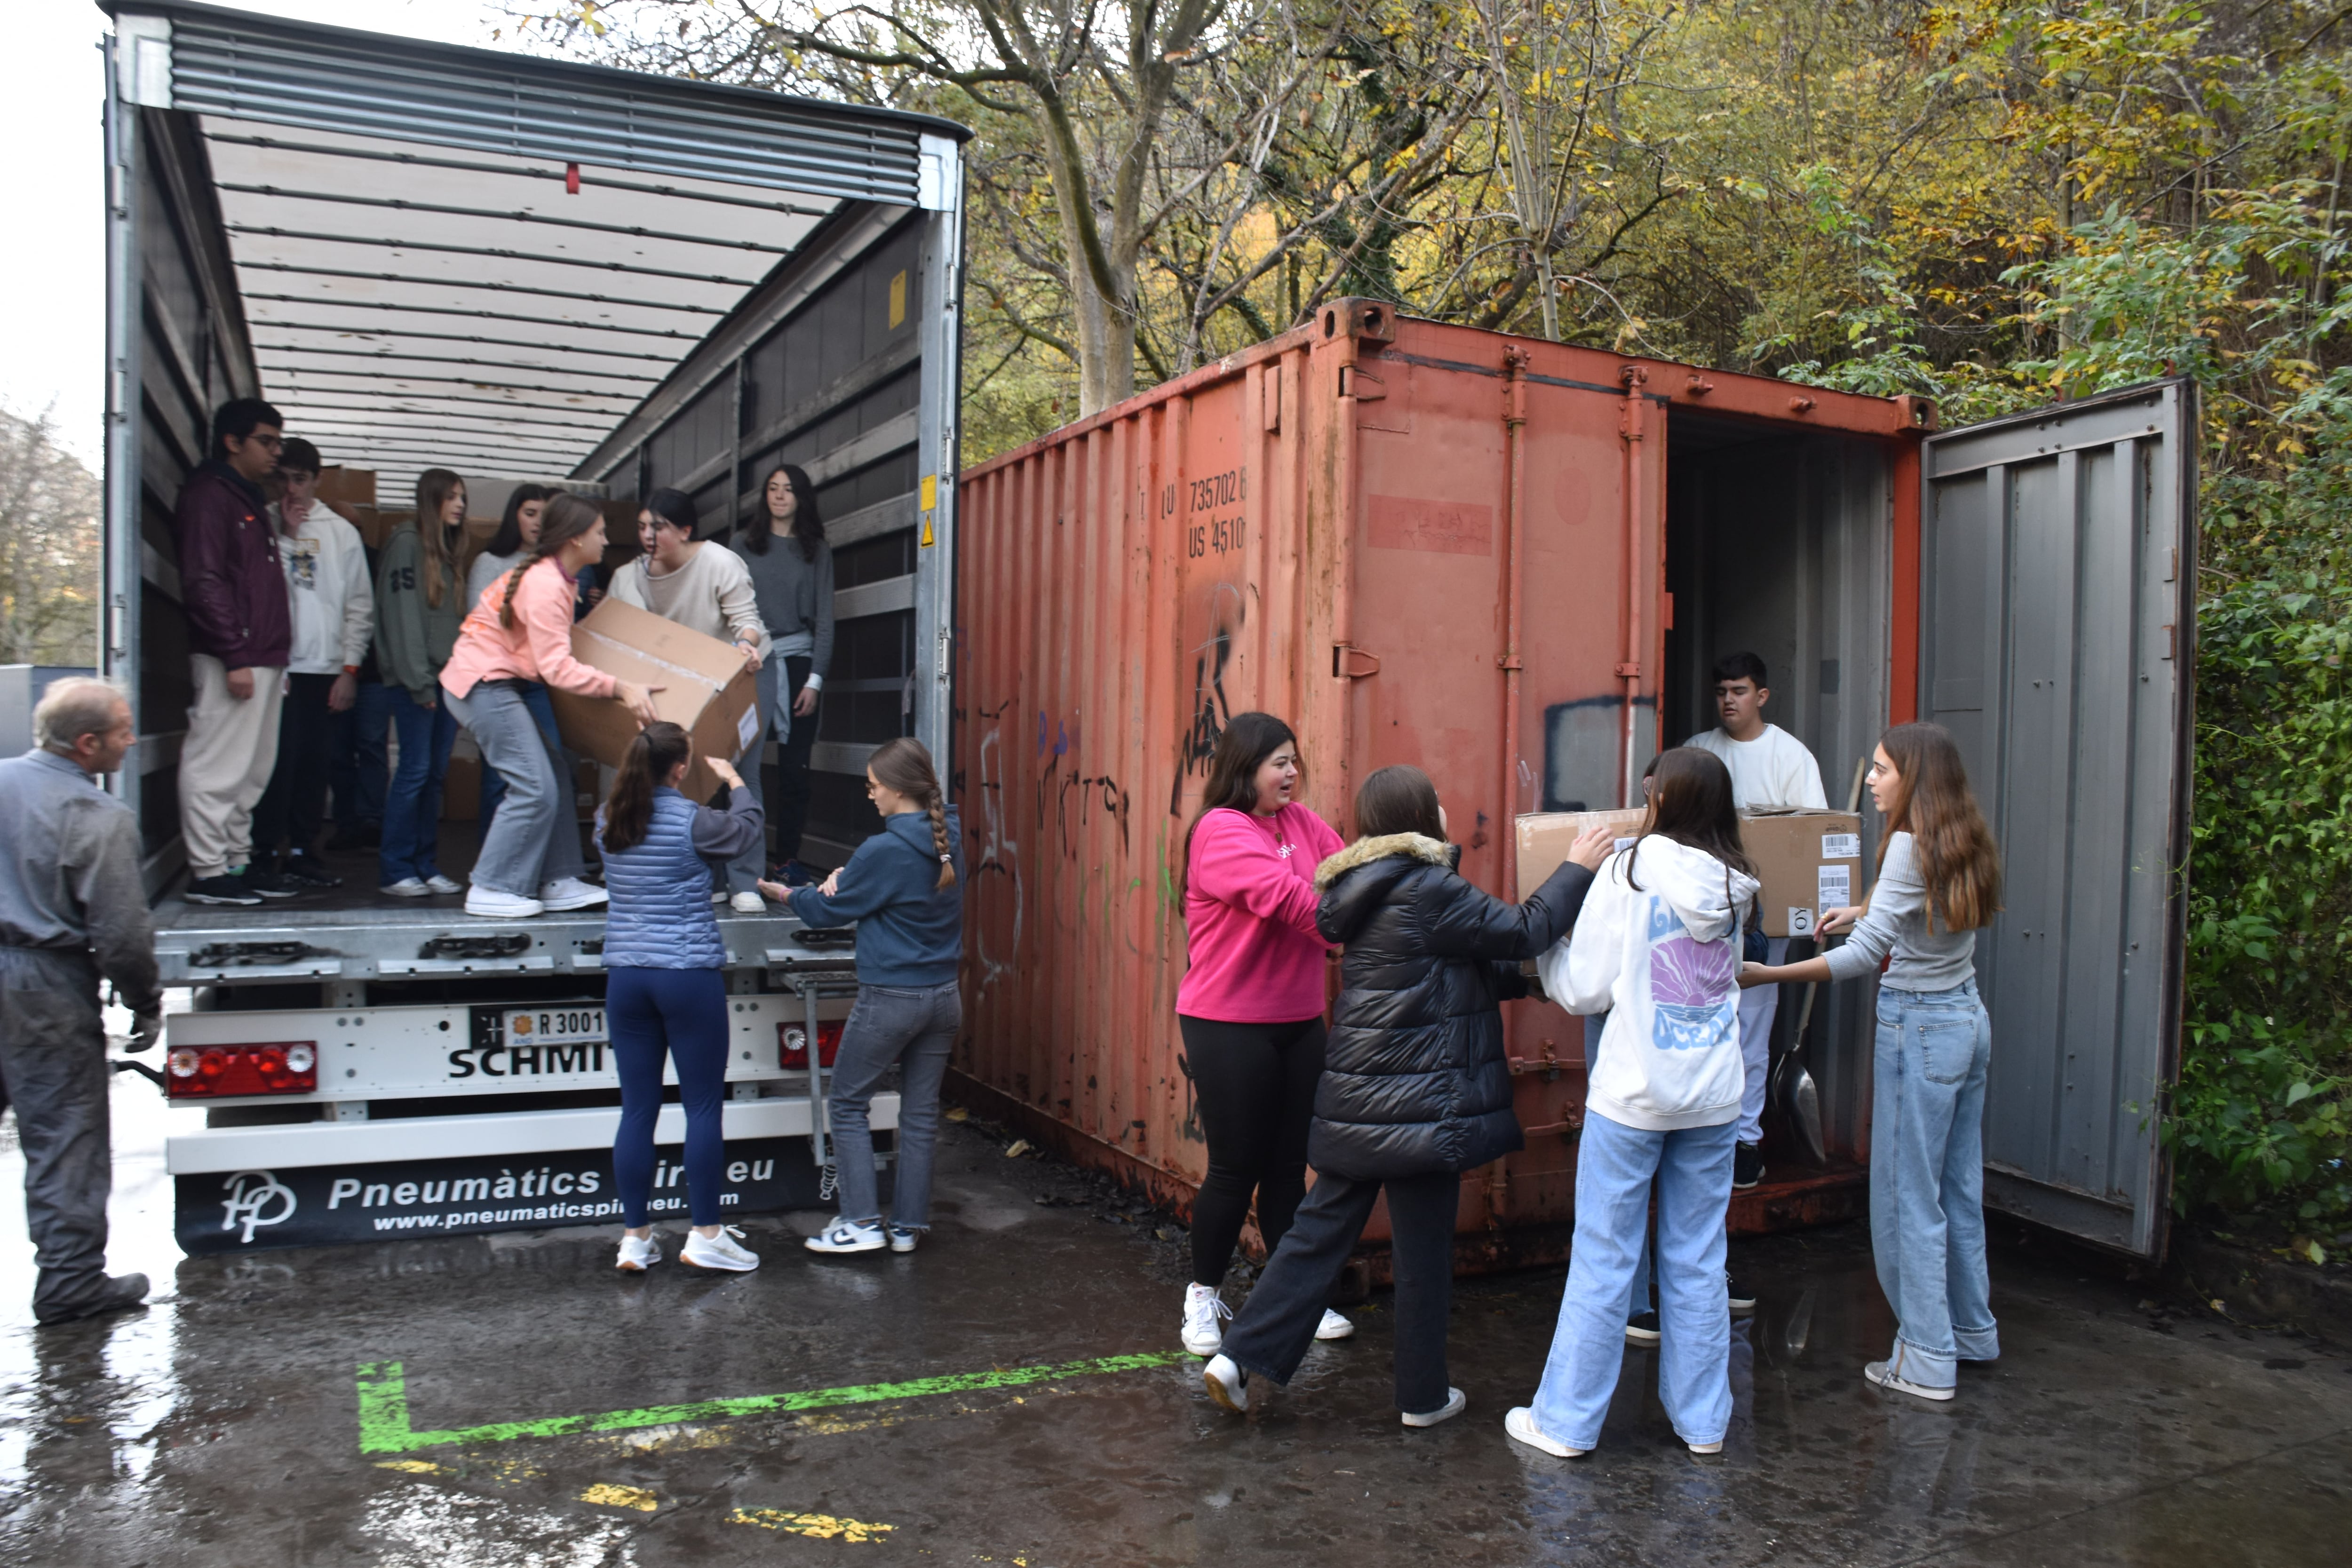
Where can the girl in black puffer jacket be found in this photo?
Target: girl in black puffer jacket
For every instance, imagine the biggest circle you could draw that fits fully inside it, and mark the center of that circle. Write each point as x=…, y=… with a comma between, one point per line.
x=1415, y=1087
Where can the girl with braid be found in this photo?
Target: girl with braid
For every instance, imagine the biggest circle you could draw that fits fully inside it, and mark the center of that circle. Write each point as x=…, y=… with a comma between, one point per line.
x=903, y=888
x=518, y=637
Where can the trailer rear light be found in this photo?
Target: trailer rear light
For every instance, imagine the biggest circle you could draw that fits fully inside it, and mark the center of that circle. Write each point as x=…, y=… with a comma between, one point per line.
x=215, y=1072
x=793, y=1039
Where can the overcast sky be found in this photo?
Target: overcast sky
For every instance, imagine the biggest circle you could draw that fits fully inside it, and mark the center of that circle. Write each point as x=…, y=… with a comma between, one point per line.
x=53, y=274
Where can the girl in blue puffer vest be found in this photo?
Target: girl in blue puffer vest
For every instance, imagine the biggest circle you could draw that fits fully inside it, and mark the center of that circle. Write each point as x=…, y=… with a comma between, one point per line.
x=664, y=989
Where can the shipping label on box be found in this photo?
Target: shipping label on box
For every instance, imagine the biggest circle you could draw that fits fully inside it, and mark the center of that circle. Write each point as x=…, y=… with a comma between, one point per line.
x=1544, y=838
x=702, y=686
x=1810, y=862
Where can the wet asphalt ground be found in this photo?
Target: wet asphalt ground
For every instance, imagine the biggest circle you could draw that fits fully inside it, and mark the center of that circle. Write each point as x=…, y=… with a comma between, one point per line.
x=1008, y=1395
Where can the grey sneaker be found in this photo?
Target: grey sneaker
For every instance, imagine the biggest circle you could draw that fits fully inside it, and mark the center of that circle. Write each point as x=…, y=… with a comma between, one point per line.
x=1882, y=1374
x=903, y=1239
x=723, y=1252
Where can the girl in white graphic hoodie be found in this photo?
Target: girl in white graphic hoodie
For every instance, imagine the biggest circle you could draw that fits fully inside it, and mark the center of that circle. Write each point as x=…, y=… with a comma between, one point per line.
x=1657, y=946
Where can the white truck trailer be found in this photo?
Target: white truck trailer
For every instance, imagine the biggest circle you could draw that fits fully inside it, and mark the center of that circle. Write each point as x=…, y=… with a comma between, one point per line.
x=429, y=256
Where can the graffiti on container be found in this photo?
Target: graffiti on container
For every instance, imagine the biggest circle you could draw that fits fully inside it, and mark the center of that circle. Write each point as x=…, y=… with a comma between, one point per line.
x=1211, y=711
x=1059, y=739
x=999, y=855
x=1105, y=791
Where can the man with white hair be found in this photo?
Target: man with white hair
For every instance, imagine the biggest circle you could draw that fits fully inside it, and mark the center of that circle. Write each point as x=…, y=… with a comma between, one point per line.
x=72, y=912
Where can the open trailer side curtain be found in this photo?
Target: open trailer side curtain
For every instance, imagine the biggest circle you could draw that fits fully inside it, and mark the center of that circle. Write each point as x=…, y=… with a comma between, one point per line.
x=2058, y=552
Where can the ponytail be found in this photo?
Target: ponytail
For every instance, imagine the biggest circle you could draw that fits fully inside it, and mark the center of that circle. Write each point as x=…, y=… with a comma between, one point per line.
x=653, y=751
x=904, y=766
x=565, y=519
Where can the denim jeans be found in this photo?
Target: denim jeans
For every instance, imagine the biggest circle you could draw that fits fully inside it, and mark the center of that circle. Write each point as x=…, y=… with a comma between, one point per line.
x=536, y=836
x=1277, y=1323
x=494, y=782
x=1637, y=1300
x=356, y=770
x=914, y=1027
x=411, y=811
x=1926, y=1179
x=1615, y=1167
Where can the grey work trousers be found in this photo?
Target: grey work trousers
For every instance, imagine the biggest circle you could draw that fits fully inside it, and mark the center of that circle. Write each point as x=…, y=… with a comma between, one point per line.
x=54, y=1073
x=535, y=837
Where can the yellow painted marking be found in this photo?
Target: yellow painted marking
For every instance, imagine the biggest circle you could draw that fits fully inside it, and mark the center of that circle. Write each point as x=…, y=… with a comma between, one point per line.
x=897, y=298
x=606, y=1495
x=414, y=1467
x=819, y=1526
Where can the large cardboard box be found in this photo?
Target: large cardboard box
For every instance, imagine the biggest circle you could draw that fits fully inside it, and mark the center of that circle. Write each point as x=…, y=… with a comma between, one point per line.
x=1810, y=861
x=348, y=487
x=1544, y=838
x=705, y=688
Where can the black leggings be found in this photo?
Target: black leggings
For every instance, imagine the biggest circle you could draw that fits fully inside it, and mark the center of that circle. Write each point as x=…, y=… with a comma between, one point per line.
x=1255, y=1084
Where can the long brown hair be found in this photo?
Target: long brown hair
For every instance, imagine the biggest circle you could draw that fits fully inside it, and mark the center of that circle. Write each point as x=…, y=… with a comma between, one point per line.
x=905, y=765
x=1399, y=799
x=653, y=751
x=1958, y=861
x=564, y=519
x=1691, y=803
x=1243, y=746
x=808, y=528
x=433, y=488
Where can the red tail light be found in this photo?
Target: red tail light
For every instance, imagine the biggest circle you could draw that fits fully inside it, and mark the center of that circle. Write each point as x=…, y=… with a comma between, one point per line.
x=792, y=1040
x=215, y=1072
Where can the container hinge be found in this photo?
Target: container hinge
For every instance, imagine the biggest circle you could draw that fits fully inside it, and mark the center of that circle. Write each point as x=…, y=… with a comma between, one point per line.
x=1508, y=661
x=1353, y=663
x=947, y=654
x=1628, y=669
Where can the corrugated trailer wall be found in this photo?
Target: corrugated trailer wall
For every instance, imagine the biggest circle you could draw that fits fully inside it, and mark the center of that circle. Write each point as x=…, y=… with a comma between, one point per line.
x=1417, y=543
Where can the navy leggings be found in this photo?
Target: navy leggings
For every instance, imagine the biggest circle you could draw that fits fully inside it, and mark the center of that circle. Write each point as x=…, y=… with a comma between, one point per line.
x=681, y=1014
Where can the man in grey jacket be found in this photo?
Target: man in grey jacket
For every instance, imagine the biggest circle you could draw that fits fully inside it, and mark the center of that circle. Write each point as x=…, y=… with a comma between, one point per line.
x=72, y=911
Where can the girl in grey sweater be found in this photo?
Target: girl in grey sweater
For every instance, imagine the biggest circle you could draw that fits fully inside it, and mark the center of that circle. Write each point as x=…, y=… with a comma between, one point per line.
x=791, y=572
x=1939, y=882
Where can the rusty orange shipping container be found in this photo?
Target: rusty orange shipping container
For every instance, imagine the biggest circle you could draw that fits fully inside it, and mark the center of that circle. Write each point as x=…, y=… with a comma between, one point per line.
x=1511, y=562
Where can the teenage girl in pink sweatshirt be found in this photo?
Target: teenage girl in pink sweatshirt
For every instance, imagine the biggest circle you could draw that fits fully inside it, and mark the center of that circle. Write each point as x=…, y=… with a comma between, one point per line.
x=1251, y=1005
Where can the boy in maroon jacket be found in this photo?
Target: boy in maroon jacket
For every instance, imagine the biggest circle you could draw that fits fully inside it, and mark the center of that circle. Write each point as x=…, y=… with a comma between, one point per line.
x=240, y=633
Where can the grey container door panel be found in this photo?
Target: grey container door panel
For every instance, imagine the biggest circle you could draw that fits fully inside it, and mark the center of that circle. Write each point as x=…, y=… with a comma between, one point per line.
x=2057, y=557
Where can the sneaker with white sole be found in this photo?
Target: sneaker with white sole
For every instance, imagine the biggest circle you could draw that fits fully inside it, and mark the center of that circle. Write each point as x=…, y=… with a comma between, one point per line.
x=1519, y=1424
x=638, y=1253
x=1455, y=1402
x=747, y=904
x=724, y=1251
x=850, y=1235
x=1641, y=1327
x=1227, y=1384
x=903, y=1239
x=489, y=903
x=1202, y=1307
x=444, y=886
x=1333, y=1326
x=406, y=888
x=1882, y=1374
x=571, y=893
x=1714, y=1448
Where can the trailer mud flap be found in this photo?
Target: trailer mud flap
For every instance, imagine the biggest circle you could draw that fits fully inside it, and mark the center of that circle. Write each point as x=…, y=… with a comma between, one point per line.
x=317, y=1206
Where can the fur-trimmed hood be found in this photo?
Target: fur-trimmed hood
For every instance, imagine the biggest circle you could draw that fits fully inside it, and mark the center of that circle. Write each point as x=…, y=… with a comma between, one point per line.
x=1364, y=851
x=1359, y=879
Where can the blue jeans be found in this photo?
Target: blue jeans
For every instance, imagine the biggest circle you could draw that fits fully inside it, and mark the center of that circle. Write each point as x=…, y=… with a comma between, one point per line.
x=356, y=771
x=1638, y=1301
x=411, y=811
x=680, y=1014
x=494, y=782
x=914, y=1027
x=1615, y=1167
x=1926, y=1179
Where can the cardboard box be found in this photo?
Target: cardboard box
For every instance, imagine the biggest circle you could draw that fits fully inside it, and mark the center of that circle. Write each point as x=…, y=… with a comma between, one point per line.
x=350, y=487
x=1810, y=861
x=1544, y=838
x=705, y=688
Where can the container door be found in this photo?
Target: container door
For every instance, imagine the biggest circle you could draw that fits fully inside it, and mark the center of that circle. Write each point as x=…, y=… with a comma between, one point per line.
x=2058, y=624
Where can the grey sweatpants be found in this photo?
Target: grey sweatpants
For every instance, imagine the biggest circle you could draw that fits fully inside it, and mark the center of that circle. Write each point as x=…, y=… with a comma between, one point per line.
x=535, y=837
x=54, y=1073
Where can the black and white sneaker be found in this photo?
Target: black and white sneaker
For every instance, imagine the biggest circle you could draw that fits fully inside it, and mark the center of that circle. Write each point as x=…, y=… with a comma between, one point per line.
x=1742, y=1294
x=222, y=889
x=1747, y=1166
x=308, y=871
x=269, y=884
x=1641, y=1327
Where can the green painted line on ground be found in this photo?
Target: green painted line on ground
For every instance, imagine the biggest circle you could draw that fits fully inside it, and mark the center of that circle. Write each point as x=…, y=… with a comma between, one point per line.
x=384, y=1402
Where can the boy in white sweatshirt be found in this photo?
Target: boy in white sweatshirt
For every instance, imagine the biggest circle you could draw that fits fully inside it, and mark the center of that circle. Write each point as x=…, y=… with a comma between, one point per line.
x=1657, y=947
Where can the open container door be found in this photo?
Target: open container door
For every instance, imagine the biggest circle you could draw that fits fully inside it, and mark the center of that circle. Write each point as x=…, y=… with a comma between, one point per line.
x=2058, y=630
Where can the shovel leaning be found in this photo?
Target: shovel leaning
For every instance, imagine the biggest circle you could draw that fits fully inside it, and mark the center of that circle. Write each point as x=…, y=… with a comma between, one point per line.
x=1792, y=1087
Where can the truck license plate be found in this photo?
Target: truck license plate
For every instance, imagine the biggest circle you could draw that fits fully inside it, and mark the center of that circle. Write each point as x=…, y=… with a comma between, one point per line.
x=553, y=1025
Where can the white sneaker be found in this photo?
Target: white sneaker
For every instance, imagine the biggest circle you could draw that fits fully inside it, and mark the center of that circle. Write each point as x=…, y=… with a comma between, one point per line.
x=1714, y=1448
x=903, y=1239
x=1455, y=1402
x=749, y=904
x=1882, y=1374
x=491, y=904
x=638, y=1253
x=437, y=883
x=1520, y=1425
x=721, y=1251
x=571, y=893
x=1202, y=1307
x=1334, y=1327
x=851, y=1236
x=407, y=888
x=1227, y=1383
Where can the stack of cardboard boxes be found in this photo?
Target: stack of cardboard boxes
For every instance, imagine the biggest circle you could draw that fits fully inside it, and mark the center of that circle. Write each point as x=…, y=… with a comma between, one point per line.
x=1809, y=861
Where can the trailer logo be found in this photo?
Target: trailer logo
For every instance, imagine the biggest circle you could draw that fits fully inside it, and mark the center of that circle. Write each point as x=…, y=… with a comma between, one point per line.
x=251, y=1194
